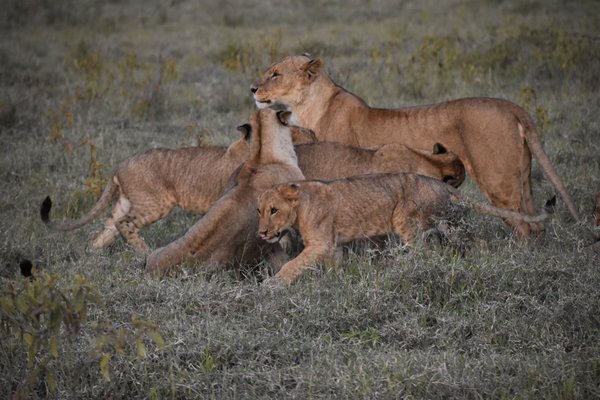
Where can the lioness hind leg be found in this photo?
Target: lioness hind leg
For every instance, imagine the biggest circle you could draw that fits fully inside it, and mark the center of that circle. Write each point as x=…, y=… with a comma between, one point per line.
x=110, y=232
x=522, y=229
x=504, y=188
x=527, y=204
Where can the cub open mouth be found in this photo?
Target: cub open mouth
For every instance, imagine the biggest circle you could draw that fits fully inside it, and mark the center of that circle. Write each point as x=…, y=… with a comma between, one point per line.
x=275, y=236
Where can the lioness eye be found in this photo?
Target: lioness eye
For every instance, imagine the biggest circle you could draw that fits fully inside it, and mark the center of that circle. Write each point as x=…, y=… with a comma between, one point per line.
x=274, y=210
x=274, y=75
x=258, y=210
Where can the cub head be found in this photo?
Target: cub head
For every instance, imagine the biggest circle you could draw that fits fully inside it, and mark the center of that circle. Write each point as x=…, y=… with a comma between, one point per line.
x=285, y=81
x=277, y=209
x=240, y=148
x=450, y=168
x=438, y=163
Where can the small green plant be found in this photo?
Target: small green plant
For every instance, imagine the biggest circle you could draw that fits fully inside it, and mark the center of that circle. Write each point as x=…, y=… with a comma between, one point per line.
x=95, y=183
x=43, y=315
x=39, y=315
x=251, y=56
x=528, y=97
x=370, y=337
x=112, y=341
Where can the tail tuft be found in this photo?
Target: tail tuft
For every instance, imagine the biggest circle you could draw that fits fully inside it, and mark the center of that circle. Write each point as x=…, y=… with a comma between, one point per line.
x=45, y=210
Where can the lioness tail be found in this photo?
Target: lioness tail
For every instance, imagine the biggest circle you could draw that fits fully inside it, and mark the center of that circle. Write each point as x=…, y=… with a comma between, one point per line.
x=528, y=131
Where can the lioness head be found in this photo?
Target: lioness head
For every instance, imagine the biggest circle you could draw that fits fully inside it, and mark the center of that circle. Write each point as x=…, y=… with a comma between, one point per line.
x=277, y=209
x=285, y=81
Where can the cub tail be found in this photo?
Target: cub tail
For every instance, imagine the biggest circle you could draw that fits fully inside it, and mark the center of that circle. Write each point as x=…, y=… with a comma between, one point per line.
x=485, y=208
x=103, y=202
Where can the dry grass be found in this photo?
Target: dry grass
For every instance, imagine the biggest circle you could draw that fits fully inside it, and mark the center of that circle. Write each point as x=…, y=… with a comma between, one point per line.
x=507, y=320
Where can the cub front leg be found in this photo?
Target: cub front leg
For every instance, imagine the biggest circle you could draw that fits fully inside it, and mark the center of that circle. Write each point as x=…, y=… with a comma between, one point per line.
x=309, y=256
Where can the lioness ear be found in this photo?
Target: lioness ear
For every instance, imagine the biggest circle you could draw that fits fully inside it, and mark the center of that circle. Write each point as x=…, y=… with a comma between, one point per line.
x=439, y=149
x=246, y=130
x=284, y=117
x=312, y=68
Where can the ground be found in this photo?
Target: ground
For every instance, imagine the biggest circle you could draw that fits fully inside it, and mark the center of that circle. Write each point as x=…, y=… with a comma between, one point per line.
x=85, y=84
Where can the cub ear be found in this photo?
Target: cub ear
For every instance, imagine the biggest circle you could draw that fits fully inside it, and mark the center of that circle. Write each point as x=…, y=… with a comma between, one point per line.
x=284, y=117
x=303, y=135
x=290, y=192
x=246, y=130
x=312, y=69
x=438, y=148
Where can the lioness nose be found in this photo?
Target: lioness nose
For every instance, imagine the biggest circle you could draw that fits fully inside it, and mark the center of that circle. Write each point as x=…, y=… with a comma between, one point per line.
x=253, y=89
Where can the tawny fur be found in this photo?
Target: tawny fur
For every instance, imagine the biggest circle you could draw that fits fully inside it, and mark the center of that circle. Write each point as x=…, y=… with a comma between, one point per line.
x=329, y=160
x=329, y=213
x=151, y=184
x=226, y=235
x=493, y=138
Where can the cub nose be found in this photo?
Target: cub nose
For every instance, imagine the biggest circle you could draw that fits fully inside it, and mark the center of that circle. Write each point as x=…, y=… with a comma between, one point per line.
x=253, y=89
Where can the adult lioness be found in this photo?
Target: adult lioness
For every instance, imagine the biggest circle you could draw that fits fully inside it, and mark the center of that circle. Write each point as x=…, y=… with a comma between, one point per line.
x=226, y=234
x=152, y=183
x=330, y=213
x=493, y=138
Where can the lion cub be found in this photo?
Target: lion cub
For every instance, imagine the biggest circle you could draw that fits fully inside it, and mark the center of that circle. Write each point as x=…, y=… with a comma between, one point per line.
x=336, y=212
x=152, y=183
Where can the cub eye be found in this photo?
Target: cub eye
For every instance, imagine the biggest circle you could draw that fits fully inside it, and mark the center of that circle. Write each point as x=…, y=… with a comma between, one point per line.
x=274, y=210
x=258, y=211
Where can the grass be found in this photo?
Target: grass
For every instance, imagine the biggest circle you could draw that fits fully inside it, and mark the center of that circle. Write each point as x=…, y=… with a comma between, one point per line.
x=87, y=84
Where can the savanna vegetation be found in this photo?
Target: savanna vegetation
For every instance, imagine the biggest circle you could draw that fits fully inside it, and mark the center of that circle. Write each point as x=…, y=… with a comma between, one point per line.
x=85, y=84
